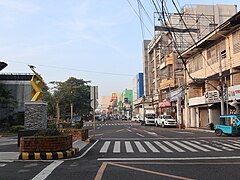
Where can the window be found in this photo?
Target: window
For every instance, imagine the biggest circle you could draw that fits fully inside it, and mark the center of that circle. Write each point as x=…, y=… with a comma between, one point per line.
x=196, y=63
x=236, y=42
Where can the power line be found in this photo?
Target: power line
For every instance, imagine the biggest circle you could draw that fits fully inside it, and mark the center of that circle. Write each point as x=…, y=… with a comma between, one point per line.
x=139, y=18
x=191, y=34
x=74, y=69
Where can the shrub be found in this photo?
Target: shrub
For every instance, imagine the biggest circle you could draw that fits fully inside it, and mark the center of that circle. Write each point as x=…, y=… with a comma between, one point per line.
x=52, y=126
x=49, y=132
x=66, y=125
x=15, y=129
x=78, y=125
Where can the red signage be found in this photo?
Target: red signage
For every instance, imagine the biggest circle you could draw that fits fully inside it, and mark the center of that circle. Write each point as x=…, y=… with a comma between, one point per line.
x=165, y=104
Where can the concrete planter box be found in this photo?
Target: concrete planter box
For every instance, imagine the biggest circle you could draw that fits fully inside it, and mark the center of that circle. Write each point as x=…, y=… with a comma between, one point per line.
x=77, y=134
x=45, y=143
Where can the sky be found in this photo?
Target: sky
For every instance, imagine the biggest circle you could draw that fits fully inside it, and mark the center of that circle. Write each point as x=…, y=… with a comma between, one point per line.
x=95, y=40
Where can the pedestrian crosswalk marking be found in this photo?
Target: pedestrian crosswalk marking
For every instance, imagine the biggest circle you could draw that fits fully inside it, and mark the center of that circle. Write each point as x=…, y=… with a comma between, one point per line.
x=185, y=146
x=207, y=146
x=153, y=149
x=227, y=145
x=128, y=146
x=140, y=147
x=174, y=147
x=196, y=146
x=168, y=146
x=116, y=148
x=162, y=146
x=105, y=147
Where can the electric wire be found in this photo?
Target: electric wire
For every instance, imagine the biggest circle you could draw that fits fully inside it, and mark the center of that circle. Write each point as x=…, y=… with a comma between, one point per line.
x=74, y=69
x=191, y=34
x=140, y=18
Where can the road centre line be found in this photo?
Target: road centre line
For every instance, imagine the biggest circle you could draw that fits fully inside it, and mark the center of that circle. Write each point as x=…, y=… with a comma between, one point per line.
x=47, y=170
x=119, y=130
x=168, y=159
x=129, y=130
x=152, y=133
x=140, y=135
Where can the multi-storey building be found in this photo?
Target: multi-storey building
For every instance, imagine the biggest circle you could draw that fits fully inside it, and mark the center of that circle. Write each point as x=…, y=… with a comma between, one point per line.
x=163, y=71
x=212, y=75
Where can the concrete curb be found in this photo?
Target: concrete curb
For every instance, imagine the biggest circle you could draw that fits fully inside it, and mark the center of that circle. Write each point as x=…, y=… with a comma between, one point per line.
x=48, y=155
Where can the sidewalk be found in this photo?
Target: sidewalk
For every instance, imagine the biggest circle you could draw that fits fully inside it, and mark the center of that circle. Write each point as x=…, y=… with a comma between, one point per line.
x=9, y=151
x=200, y=129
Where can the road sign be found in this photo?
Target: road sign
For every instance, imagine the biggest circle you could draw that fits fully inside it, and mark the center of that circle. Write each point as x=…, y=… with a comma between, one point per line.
x=92, y=104
x=94, y=92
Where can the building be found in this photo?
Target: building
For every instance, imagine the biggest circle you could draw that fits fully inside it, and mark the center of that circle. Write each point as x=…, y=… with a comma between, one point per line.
x=163, y=71
x=21, y=91
x=104, y=102
x=212, y=76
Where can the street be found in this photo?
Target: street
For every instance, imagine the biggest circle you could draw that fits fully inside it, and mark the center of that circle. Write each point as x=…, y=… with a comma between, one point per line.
x=127, y=150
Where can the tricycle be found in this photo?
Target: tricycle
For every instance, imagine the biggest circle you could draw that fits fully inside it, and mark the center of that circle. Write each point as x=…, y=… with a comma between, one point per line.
x=229, y=125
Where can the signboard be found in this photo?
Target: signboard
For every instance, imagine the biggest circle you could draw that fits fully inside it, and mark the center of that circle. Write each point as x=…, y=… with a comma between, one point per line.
x=94, y=92
x=234, y=92
x=212, y=97
x=92, y=104
x=165, y=104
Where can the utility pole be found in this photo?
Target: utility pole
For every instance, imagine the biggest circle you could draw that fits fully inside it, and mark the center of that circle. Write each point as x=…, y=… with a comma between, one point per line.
x=94, y=96
x=221, y=88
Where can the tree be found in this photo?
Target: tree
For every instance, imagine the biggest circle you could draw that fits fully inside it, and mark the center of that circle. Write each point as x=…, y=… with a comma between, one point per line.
x=75, y=92
x=6, y=98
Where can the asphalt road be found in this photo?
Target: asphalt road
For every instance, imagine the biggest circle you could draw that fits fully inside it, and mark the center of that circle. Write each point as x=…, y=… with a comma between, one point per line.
x=126, y=150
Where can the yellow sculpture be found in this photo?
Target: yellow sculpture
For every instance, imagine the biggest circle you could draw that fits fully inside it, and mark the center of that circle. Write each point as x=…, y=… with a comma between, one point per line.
x=37, y=84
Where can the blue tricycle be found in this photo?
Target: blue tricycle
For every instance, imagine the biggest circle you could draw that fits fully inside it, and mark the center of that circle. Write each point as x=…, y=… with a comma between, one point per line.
x=229, y=125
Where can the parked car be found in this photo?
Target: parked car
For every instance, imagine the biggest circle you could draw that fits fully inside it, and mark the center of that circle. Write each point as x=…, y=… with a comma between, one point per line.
x=134, y=119
x=165, y=120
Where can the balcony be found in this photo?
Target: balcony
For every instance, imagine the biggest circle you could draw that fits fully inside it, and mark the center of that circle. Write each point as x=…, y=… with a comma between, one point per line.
x=166, y=83
x=169, y=59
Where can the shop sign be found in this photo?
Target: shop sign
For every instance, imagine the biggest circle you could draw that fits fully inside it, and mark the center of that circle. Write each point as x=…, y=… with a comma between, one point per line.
x=165, y=104
x=234, y=92
x=212, y=97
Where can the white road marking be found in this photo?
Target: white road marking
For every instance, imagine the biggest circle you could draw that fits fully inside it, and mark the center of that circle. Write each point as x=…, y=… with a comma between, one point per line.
x=185, y=146
x=2, y=165
x=105, y=147
x=228, y=145
x=140, y=147
x=153, y=149
x=196, y=146
x=140, y=135
x=129, y=130
x=152, y=133
x=119, y=130
x=174, y=147
x=167, y=159
x=162, y=146
x=116, y=148
x=47, y=171
x=207, y=146
x=128, y=146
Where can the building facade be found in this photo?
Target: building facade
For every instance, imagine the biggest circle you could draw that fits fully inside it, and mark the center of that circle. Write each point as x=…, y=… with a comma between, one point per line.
x=213, y=66
x=163, y=71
